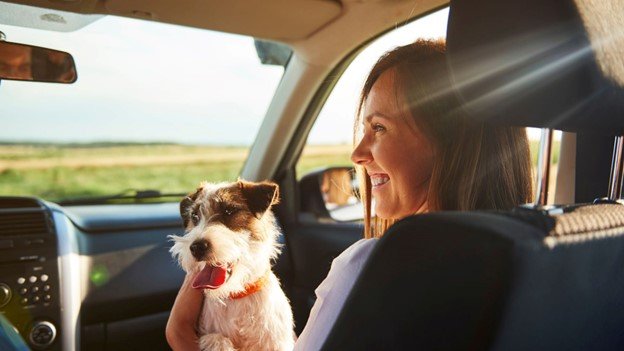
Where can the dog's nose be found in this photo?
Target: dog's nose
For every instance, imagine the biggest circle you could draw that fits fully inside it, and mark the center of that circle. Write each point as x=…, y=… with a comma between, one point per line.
x=199, y=249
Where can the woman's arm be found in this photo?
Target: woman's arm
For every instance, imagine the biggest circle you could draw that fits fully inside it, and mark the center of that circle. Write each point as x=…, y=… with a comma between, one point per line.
x=180, y=329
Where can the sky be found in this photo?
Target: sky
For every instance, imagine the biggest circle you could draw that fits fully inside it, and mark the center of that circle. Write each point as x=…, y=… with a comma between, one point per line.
x=173, y=84
x=161, y=83
x=331, y=125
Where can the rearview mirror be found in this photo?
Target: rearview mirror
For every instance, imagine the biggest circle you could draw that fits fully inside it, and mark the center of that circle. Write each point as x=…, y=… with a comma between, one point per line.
x=37, y=64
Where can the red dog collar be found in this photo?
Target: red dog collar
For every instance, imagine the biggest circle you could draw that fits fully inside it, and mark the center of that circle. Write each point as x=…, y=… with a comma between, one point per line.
x=252, y=288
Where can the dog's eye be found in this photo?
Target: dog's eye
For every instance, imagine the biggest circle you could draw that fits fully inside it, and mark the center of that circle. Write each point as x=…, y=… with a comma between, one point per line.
x=195, y=216
x=229, y=211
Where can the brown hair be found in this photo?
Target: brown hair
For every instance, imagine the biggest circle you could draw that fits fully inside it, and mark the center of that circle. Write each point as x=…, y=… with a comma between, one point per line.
x=476, y=165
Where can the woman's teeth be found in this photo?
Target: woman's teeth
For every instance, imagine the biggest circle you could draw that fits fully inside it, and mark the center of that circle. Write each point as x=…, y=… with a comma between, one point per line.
x=379, y=180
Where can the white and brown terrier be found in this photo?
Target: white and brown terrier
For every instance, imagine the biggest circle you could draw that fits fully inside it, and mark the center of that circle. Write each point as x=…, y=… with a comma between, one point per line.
x=230, y=241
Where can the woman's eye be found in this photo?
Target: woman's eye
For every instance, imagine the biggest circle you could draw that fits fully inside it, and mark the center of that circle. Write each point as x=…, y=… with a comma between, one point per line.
x=378, y=128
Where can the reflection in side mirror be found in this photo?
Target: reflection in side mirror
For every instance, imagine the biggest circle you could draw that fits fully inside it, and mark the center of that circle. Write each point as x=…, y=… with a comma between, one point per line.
x=37, y=64
x=338, y=187
x=331, y=193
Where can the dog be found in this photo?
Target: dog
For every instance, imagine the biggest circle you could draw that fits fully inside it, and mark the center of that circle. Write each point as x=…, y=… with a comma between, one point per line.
x=229, y=243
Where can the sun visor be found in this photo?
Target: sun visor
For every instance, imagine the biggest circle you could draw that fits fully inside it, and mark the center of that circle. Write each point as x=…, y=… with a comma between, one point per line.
x=281, y=20
x=43, y=18
x=540, y=63
x=274, y=20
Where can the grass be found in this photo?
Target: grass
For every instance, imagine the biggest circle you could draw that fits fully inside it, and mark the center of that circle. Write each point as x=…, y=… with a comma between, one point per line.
x=53, y=171
x=63, y=182
x=556, y=146
x=60, y=171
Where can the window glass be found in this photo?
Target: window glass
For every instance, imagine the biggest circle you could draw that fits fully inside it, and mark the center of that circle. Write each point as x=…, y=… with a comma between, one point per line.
x=156, y=106
x=534, y=135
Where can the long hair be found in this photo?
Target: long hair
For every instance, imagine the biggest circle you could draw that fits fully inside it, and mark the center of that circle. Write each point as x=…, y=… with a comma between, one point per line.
x=476, y=165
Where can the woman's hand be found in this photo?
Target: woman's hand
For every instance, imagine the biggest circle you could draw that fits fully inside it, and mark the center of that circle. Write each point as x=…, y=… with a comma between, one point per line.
x=180, y=329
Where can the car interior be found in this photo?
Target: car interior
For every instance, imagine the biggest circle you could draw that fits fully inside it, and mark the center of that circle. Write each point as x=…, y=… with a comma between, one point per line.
x=96, y=273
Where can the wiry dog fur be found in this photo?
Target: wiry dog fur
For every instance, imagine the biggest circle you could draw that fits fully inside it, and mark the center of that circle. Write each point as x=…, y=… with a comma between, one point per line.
x=235, y=222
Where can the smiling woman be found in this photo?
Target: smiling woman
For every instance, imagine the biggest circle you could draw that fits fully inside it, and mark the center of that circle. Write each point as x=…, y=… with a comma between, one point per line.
x=418, y=152
x=152, y=109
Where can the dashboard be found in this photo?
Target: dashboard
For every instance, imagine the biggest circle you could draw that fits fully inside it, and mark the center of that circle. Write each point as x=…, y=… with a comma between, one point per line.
x=88, y=277
x=29, y=272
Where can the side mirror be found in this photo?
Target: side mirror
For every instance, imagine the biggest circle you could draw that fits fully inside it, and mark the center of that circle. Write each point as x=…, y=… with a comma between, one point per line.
x=36, y=64
x=331, y=193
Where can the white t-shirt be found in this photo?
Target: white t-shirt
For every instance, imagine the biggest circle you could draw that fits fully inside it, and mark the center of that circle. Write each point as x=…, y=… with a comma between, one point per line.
x=332, y=293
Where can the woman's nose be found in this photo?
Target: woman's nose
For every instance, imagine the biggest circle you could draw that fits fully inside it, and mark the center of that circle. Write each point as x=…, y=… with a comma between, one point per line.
x=361, y=154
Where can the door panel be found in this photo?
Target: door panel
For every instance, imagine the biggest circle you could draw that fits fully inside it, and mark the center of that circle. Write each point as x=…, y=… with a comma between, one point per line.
x=313, y=247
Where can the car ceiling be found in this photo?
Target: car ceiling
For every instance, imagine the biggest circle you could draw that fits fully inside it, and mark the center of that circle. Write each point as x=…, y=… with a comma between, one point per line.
x=320, y=31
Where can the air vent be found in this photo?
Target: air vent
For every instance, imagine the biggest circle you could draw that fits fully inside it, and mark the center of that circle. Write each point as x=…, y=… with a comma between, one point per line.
x=26, y=222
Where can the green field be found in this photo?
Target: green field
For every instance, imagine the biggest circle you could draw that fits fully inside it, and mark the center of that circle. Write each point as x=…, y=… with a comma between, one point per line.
x=56, y=172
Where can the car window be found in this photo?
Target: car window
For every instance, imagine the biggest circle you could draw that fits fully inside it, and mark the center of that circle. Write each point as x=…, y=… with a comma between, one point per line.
x=534, y=135
x=155, y=106
x=330, y=141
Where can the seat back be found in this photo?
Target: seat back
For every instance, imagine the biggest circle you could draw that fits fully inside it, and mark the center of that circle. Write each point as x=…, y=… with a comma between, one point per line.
x=522, y=280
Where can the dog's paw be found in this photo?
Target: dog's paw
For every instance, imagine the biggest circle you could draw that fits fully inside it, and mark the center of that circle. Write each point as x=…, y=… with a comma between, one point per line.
x=215, y=342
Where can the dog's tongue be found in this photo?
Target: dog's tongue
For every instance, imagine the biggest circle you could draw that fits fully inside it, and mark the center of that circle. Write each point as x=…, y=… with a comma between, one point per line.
x=210, y=277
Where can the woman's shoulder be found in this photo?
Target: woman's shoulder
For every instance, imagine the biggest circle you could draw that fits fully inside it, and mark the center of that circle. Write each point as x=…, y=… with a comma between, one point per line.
x=345, y=268
x=356, y=253
x=332, y=292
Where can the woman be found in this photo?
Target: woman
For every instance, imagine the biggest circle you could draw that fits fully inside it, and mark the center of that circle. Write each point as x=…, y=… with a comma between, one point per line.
x=416, y=152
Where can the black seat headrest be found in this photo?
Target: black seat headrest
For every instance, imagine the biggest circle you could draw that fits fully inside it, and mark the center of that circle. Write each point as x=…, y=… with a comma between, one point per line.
x=540, y=63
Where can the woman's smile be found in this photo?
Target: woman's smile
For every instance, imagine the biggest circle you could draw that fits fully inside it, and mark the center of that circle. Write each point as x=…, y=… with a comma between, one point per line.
x=379, y=179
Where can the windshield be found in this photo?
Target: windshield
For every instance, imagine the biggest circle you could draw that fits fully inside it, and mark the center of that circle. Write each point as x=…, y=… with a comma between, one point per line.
x=156, y=106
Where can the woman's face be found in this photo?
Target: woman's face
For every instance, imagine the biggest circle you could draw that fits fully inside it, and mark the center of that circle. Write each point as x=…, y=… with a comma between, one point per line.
x=397, y=156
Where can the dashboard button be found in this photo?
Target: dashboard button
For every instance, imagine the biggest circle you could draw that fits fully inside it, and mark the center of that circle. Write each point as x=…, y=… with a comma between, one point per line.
x=42, y=334
x=44, y=278
x=46, y=287
x=24, y=301
x=34, y=289
x=21, y=280
x=47, y=298
x=32, y=279
x=23, y=291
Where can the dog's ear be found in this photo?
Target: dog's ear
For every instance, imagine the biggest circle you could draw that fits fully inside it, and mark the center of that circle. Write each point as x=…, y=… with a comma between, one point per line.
x=185, y=206
x=259, y=196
